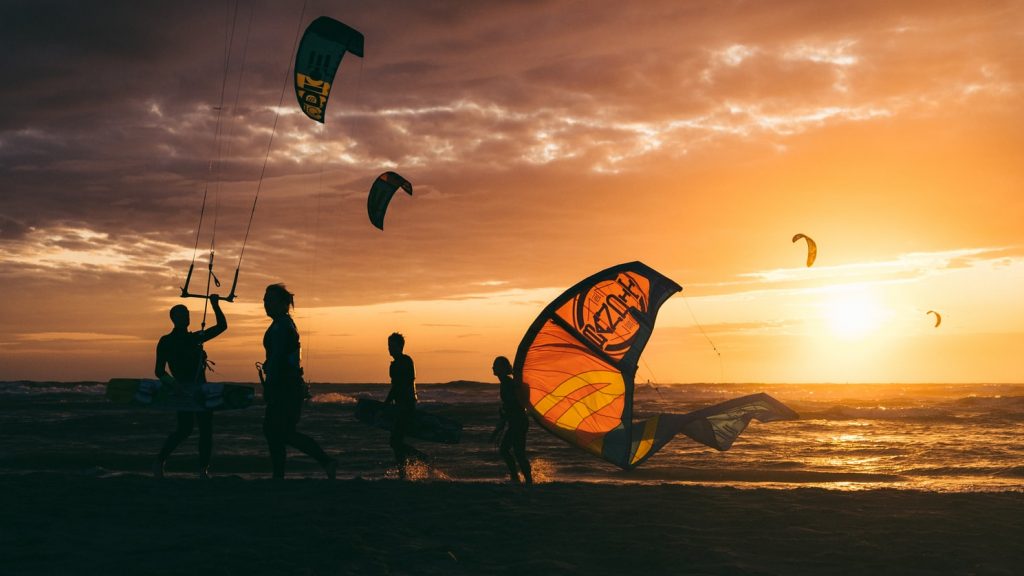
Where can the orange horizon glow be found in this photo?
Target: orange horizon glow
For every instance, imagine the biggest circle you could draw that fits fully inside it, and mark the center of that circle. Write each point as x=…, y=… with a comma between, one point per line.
x=698, y=143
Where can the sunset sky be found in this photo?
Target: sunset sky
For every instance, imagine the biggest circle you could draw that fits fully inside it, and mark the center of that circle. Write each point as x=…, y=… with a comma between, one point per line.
x=545, y=140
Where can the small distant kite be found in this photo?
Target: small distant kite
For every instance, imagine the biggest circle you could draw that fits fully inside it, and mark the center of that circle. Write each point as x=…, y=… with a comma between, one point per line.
x=316, y=62
x=384, y=187
x=938, y=317
x=812, y=248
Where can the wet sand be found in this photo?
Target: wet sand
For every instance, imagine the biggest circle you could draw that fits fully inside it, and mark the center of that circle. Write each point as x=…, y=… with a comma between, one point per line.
x=71, y=524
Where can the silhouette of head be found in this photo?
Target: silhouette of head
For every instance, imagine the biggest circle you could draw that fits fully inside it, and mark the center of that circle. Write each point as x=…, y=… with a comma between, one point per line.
x=180, y=316
x=277, y=300
x=396, y=344
x=501, y=366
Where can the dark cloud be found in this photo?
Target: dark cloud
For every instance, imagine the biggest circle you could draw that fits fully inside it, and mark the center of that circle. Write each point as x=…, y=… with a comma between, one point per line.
x=11, y=229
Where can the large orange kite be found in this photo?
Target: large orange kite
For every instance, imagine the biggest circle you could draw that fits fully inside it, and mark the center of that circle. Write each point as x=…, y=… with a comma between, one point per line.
x=578, y=359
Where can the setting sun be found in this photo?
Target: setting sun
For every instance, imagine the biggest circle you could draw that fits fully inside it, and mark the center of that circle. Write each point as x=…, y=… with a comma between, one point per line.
x=852, y=313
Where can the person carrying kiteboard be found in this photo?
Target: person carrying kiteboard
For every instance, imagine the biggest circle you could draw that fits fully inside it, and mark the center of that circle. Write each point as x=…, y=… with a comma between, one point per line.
x=403, y=395
x=182, y=352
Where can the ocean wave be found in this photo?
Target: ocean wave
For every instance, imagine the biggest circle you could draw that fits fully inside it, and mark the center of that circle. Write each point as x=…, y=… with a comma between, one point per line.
x=427, y=394
x=882, y=413
x=333, y=398
x=986, y=471
x=41, y=388
x=1012, y=472
x=783, y=464
x=876, y=450
x=990, y=403
x=755, y=475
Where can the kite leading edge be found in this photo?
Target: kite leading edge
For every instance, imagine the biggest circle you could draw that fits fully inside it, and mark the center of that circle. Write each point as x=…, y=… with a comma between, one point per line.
x=578, y=360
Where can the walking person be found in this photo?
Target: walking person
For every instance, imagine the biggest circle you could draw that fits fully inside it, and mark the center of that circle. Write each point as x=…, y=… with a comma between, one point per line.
x=403, y=395
x=284, y=389
x=512, y=414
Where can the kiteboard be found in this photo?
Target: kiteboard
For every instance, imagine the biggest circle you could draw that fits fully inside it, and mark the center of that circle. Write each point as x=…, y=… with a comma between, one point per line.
x=155, y=394
x=430, y=427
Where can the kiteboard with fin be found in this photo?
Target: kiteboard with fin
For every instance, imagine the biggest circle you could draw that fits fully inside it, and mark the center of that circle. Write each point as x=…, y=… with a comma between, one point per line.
x=429, y=427
x=153, y=393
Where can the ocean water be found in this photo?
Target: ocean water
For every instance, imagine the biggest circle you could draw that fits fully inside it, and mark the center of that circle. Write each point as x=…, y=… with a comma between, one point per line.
x=956, y=437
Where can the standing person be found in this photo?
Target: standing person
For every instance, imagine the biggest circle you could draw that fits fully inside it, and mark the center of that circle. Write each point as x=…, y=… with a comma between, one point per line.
x=284, y=390
x=512, y=413
x=182, y=352
x=403, y=395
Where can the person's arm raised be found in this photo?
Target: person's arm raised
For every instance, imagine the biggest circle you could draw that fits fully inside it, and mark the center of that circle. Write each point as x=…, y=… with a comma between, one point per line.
x=222, y=321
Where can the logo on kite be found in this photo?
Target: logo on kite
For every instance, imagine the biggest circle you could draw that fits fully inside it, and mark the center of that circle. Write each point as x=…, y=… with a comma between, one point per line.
x=603, y=314
x=812, y=248
x=938, y=317
x=578, y=360
x=383, y=189
x=316, y=62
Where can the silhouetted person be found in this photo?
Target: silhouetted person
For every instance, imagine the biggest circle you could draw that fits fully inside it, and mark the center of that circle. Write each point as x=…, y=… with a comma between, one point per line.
x=284, y=390
x=512, y=413
x=403, y=395
x=182, y=351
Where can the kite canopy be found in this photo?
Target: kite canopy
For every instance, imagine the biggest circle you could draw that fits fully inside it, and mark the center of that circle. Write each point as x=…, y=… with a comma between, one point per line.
x=578, y=360
x=812, y=248
x=383, y=189
x=938, y=317
x=325, y=42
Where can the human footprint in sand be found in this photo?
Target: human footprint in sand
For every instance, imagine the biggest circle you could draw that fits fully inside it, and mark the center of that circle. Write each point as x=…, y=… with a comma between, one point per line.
x=284, y=390
x=403, y=395
x=182, y=352
x=513, y=414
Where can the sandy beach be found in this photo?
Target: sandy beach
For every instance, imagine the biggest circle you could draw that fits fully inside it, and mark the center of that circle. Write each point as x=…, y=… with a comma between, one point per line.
x=67, y=524
x=858, y=486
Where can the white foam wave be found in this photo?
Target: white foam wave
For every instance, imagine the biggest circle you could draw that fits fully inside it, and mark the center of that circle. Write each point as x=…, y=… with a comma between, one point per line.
x=333, y=398
x=883, y=413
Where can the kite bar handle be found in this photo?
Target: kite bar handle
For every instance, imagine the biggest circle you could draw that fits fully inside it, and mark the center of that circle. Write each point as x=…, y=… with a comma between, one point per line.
x=186, y=294
x=228, y=298
x=188, y=279
x=231, y=295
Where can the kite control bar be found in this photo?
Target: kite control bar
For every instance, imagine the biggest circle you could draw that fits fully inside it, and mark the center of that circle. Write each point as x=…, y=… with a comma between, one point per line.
x=186, y=294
